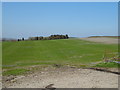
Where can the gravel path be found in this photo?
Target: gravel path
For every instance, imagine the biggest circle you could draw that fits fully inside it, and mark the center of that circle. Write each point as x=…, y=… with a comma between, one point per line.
x=66, y=78
x=102, y=40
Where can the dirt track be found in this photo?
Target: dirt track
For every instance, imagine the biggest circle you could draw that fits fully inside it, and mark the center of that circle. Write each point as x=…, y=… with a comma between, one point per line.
x=66, y=78
x=102, y=40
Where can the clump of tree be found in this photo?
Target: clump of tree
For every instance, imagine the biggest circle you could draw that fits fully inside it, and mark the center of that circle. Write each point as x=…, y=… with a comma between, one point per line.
x=59, y=36
x=21, y=39
x=36, y=38
x=50, y=37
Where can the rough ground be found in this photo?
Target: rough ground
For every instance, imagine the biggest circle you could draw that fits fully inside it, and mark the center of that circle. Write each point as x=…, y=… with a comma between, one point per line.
x=102, y=40
x=65, y=78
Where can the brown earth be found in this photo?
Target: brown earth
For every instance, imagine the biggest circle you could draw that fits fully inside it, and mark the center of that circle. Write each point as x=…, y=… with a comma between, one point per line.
x=64, y=77
x=105, y=40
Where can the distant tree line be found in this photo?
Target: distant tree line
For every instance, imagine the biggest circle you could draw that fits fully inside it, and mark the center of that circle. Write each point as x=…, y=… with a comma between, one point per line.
x=8, y=39
x=46, y=38
x=50, y=37
x=36, y=38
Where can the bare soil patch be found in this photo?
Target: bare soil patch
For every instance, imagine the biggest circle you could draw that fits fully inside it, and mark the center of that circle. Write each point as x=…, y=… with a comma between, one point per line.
x=105, y=40
x=65, y=77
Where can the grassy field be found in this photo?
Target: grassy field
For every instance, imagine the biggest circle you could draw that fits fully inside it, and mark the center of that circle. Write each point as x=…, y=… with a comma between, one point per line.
x=50, y=52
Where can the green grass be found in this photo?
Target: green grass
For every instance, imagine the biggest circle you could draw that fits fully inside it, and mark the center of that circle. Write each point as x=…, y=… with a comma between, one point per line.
x=49, y=52
x=109, y=65
x=15, y=72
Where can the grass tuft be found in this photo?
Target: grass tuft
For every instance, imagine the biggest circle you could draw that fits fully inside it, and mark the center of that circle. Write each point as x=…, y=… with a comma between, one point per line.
x=108, y=64
x=15, y=72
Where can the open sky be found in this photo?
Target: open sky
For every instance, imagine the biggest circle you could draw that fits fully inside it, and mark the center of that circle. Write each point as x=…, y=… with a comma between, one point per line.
x=77, y=19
